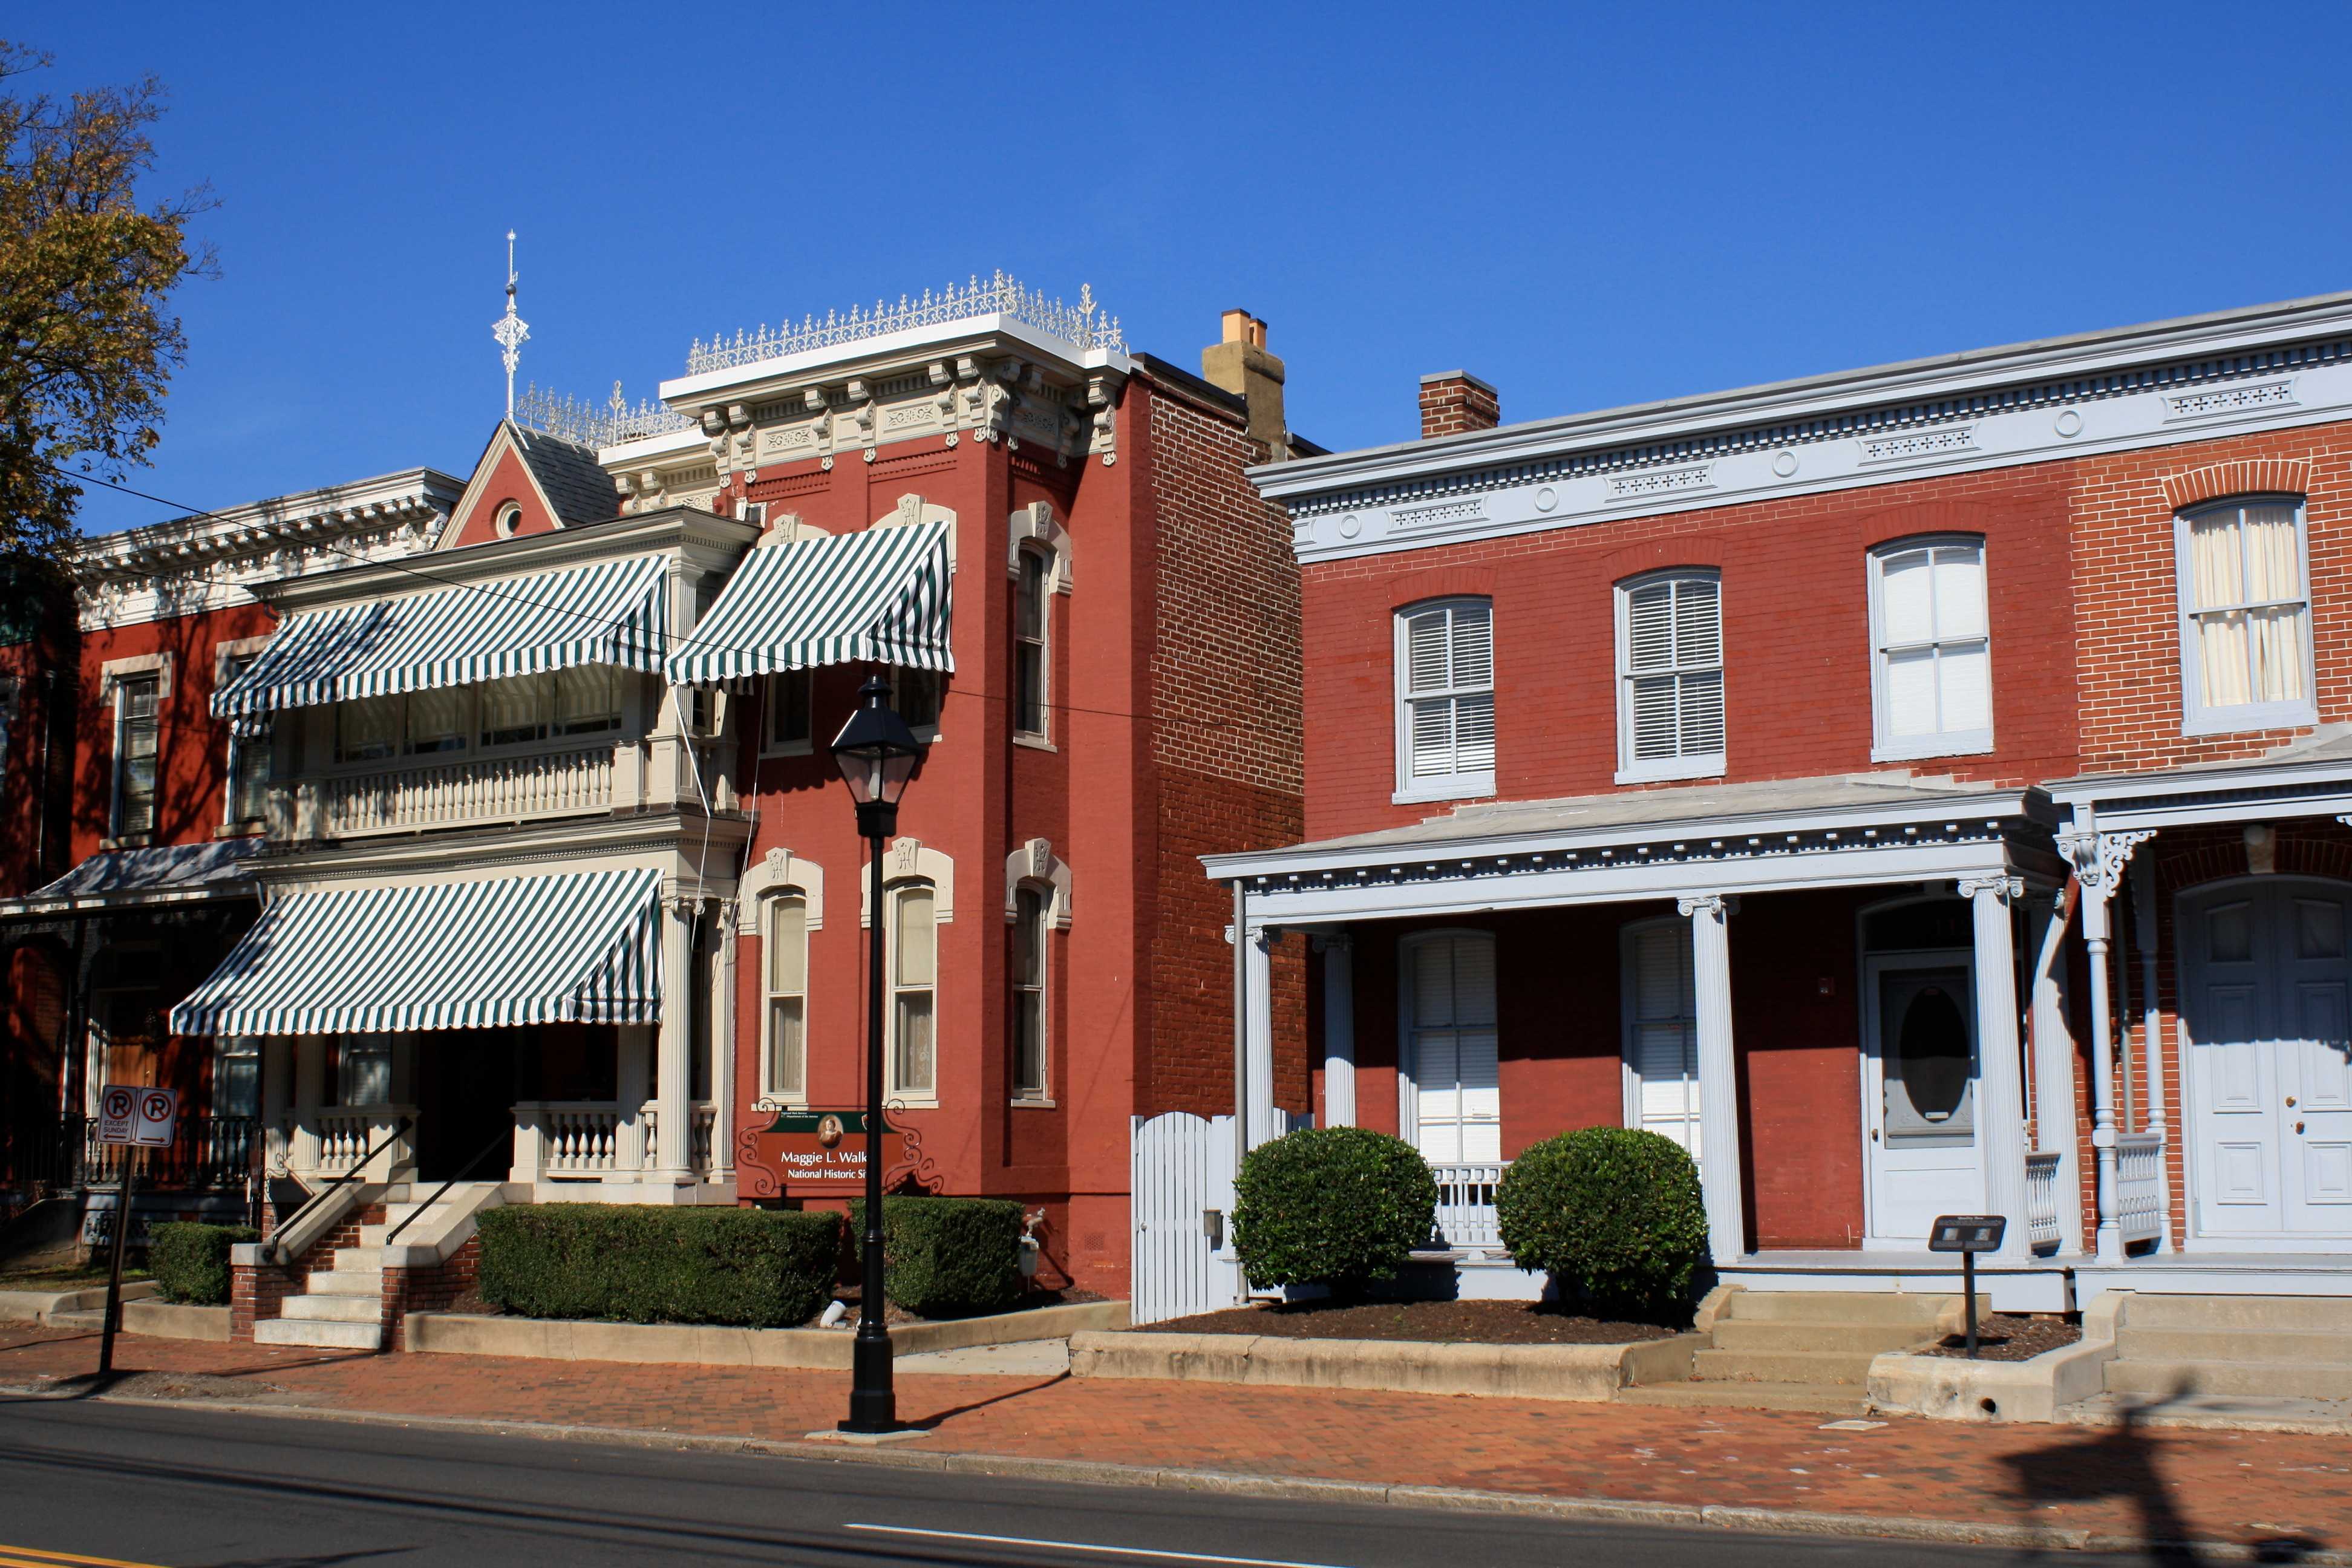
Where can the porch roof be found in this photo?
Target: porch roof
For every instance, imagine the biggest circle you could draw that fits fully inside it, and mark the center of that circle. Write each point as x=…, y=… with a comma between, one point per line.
x=885, y=595
x=610, y=612
x=2308, y=777
x=572, y=947
x=157, y=874
x=1838, y=828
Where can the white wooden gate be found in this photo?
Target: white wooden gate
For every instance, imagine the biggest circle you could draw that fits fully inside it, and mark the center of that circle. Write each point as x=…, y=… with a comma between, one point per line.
x=1183, y=1208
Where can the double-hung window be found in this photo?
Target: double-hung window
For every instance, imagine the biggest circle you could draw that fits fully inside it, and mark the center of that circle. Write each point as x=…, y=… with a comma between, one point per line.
x=1662, y=1087
x=1670, y=676
x=784, y=1077
x=2245, y=615
x=248, y=756
x=792, y=705
x=1445, y=700
x=237, y=1076
x=1029, y=929
x=913, y=975
x=1456, y=1099
x=1030, y=600
x=918, y=695
x=136, y=717
x=1931, y=669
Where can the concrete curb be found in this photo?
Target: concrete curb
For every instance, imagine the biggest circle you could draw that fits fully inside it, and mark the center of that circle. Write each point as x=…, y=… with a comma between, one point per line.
x=43, y=1306
x=455, y=1333
x=156, y=1319
x=1586, y=1373
x=1304, y=1489
x=1945, y=1388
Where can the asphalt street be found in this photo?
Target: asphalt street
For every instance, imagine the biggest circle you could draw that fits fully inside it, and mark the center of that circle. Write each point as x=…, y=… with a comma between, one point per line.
x=90, y=1484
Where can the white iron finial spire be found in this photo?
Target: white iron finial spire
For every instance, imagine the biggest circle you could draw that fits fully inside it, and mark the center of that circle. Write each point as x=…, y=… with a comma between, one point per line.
x=510, y=330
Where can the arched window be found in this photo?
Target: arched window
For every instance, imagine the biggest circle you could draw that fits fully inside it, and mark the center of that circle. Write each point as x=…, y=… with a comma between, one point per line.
x=1032, y=914
x=1931, y=665
x=913, y=979
x=1454, y=1102
x=1445, y=700
x=2245, y=615
x=1660, y=1006
x=783, y=1044
x=1670, y=676
x=1031, y=597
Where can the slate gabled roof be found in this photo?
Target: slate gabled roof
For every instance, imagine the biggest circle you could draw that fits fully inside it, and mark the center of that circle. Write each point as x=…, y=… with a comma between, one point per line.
x=578, y=490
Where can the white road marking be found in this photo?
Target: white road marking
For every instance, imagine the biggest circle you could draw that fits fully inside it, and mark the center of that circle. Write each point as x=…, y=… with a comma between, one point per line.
x=1087, y=1546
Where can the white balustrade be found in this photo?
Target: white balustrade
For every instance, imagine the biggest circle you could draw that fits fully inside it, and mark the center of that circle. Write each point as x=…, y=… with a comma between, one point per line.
x=480, y=789
x=1466, y=1206
x=706, y=1117
x=346, y=1132
x=2139, y=1186
x=650, y=1119
x=2041, y=1216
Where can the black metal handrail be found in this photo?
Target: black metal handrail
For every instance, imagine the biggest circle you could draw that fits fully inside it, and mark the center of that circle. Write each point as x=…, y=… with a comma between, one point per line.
x=504, y=1139
x=399, y=1125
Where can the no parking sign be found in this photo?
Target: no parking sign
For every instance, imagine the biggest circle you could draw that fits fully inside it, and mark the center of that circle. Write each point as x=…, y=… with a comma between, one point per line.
x=140, y=1117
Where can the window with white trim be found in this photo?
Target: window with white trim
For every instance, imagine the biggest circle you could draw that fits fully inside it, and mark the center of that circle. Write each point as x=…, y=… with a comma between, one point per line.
x=1031, y=909
x=1660, y=1006
x=1455, y=1097
x=2245, y=615
x=913, y=979
x=363, y=1069
x=918, y=695
x=1031, y=598
x=248, y=756
x=1931, y=664
x=1670, y=676
x=237, y=1076
x=1445, y=700
x=783, y=1071
x=791, y=707
x=137, y=716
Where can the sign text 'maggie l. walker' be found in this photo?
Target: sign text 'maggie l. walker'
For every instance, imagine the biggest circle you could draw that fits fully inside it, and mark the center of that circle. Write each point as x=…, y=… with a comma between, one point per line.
x=827, y=1148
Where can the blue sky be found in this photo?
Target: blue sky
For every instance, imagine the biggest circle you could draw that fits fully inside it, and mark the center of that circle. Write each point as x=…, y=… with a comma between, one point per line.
x=1585, y=206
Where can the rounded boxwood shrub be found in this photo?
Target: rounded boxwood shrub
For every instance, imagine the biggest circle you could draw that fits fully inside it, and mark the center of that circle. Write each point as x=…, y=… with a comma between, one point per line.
x=1613, y=1214
x=189, y=1260
x=946, y=1257
x=1338, y=1206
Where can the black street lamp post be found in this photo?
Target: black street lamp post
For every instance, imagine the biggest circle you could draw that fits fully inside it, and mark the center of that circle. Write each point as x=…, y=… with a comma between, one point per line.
x=877, y=755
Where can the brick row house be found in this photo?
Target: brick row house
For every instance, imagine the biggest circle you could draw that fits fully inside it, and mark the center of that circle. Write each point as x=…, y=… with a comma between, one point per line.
x=550, y=890
x=1915, y=790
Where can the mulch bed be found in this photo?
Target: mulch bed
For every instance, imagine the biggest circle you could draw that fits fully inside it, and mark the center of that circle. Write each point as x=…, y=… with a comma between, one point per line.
x=1429, y=1323
x=2005, y=1336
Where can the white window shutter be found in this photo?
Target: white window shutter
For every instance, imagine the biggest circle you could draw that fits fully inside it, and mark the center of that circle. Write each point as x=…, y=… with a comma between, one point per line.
x=1473, y=646
x=1456, y=1073
x=1960, y=592
x=1699, y=622
x=1906, y=599
x=1665, y=1034
x=1431, y=722
x=1650, y=626
x=1425, y=652
x=1702, y=716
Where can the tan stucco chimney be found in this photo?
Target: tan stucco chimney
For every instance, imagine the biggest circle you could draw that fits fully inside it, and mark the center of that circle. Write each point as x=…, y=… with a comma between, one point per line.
x=1453, y=401
x=1239, y=363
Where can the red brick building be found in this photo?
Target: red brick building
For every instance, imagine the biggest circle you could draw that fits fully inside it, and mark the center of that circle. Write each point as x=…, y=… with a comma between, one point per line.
x=1766, y=767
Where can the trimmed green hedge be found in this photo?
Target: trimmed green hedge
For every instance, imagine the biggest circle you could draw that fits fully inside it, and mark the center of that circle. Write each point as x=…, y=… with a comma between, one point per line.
x=1612, y=1213
x=1338, y=1206
x=189, y=1261
x=946, y=1257
x=744, y=1267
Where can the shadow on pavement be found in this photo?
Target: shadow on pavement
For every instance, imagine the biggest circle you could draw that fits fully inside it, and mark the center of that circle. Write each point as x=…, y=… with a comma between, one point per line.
x=933, y=1423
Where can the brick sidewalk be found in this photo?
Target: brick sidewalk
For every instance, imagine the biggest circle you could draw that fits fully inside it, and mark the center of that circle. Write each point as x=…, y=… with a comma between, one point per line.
x=2160, y=1484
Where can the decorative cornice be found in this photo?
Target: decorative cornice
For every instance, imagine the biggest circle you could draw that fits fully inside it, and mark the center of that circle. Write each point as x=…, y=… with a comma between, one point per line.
x=1083, y=326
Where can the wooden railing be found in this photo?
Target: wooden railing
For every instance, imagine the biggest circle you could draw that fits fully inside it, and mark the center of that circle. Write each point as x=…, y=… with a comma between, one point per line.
x=1466, y=1206
x=479, y=789
x=2043, y=1230
x=2139, y=1186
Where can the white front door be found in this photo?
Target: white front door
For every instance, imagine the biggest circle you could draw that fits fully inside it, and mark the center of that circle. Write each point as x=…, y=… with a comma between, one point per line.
x=1920, y=1101
x=1453, y=1104
x=2266, y=978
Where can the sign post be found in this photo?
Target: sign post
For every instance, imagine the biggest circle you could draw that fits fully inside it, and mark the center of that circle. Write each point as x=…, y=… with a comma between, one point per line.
x=137, y=1119
x=1967, y=1235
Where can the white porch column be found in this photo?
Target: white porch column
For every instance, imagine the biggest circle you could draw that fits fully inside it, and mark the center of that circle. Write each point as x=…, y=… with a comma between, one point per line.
x=722, y=1047
x=1259, y=1032
x=1338, y=1028
x=2000, y=1087
x=310, y=1096
x=629, y=1082
x=2099, y=861
x=276, y=1098
x=2152, y=1054
x=1719, y=1076
x=673, y=1050
x=2054, y=1065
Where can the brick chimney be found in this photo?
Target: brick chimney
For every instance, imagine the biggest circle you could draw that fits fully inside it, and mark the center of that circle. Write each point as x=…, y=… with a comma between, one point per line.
x=1453, y=401
x=1239, y=363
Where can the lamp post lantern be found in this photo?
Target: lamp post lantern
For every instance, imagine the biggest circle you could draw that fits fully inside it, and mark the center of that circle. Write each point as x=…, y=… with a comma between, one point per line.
x=877, y=754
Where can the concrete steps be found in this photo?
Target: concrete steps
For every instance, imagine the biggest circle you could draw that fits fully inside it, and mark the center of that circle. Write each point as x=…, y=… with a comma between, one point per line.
x=1813, y=1340
x=1820, y=1399
x=1810, y=1367
x=367, y=1336
x=2287, y=1350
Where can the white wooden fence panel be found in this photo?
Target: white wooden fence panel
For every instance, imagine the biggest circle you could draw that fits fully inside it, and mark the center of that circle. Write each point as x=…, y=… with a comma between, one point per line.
x=1184, y=1168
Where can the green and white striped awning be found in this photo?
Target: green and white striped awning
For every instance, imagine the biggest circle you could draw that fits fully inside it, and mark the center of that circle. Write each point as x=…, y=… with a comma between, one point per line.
x=882, y=596
x=614, y=611
x=581, y=947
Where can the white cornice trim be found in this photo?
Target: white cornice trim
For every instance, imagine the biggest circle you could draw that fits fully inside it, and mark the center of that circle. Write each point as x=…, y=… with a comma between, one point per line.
x=771, y=378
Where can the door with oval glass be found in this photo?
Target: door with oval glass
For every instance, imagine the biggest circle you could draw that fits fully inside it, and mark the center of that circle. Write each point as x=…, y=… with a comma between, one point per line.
x=1920, y=1101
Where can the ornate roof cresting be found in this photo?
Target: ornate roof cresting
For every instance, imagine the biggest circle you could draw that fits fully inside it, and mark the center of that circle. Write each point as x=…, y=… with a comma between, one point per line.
x=1082, y=325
